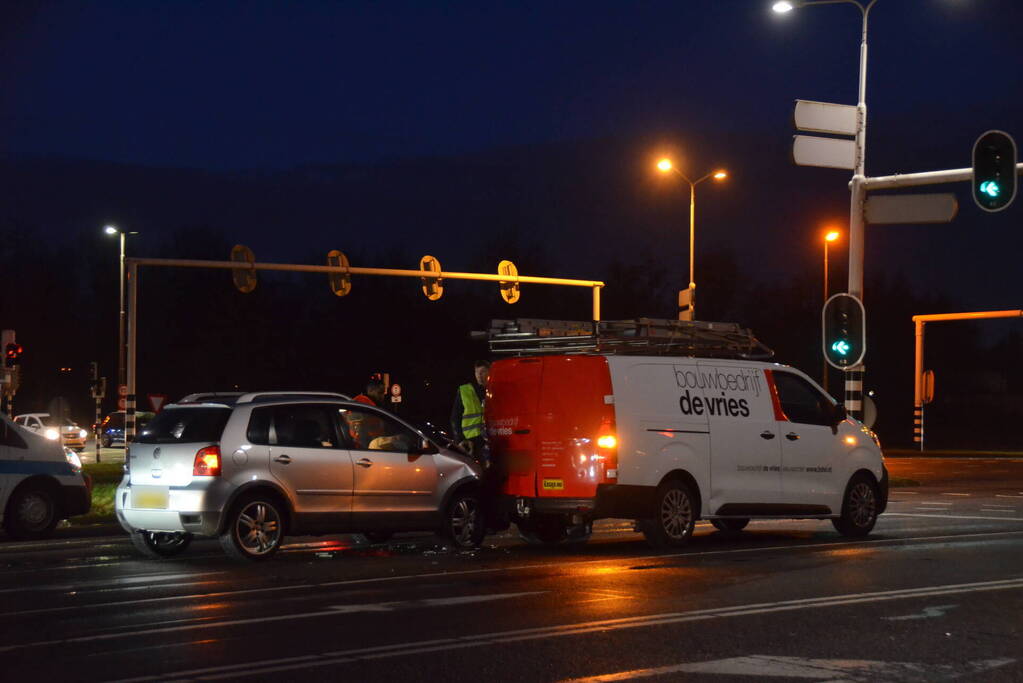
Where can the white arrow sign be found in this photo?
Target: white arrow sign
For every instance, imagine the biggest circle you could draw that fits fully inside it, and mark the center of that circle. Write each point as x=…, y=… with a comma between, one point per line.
x=826, y=152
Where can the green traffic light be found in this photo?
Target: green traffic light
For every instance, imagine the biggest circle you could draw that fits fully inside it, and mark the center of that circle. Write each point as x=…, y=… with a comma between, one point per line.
x=841, y=347
x=990, y=188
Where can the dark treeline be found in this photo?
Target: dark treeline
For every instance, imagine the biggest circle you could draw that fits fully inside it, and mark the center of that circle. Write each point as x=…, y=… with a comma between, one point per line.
x=197, y=333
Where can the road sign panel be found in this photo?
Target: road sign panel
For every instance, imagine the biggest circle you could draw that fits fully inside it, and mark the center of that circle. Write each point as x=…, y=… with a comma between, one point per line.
x=824, y=117
x=824, y=152
x=911, y=208
x=122, y=404
x=157, y=401
x=122, y=390
x=927, y=386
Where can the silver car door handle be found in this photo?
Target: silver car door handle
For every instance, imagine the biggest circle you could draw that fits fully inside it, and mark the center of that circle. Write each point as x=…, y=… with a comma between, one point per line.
x=364, y=462
x=766, y=435
x=283, y=459
x=792, y=436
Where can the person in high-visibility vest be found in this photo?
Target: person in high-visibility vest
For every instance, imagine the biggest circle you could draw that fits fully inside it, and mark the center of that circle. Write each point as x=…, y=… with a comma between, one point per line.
x=467, y=412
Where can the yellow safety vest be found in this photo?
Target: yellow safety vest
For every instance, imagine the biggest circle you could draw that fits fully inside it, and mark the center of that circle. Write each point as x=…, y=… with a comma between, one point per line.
x=472, y=412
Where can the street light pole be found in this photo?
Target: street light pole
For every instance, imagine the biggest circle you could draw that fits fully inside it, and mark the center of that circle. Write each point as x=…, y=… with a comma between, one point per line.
x=122, y=343
x=665, y=165
x=858, y=194
x=830, y=237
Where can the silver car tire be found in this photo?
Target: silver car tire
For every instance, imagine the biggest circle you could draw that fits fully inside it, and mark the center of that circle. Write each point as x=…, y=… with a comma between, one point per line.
x=464, y=525
x=255, y=529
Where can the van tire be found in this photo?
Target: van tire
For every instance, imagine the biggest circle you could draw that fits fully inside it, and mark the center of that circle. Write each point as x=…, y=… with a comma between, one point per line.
x=675, y=516
x=32, y=513
x=159, y=544
x=255, y=528
x=730, y=525
x=859, y=507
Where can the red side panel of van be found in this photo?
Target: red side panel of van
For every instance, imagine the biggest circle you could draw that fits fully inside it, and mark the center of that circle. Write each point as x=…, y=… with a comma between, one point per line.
x=546, y=416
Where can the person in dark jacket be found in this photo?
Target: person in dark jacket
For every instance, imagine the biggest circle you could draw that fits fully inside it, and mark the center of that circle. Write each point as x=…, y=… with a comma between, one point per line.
x=467, y=413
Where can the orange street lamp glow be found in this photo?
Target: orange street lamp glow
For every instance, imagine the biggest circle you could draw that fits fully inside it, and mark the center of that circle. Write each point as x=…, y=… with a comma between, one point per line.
x=720, y=175
x=832, y=236
x=664, y=165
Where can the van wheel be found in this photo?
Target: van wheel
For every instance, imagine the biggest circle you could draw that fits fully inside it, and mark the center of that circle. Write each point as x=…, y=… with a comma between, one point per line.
x=731, y=525
x=676, y=516
x=32, y=513
x=157, y=544
x=255, y=528
x=859, y=507
x=464, y=525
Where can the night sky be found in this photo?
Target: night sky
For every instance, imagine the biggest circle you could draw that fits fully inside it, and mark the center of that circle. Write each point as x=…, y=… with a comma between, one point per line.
x=239, y=89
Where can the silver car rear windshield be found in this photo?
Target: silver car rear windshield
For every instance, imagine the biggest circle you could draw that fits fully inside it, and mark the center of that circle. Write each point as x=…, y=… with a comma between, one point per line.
x=185, y=425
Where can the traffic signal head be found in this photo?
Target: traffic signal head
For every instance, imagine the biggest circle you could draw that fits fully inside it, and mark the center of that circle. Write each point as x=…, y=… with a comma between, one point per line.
x=844, y=335
x=994, y=170
x=11, y=353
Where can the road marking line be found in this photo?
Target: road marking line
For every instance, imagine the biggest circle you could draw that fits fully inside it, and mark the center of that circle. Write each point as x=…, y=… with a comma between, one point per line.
x=405, y=649
x=928, y=613
x=957, y=516
x=964, y=495
x=756, y=666
x=560, y=565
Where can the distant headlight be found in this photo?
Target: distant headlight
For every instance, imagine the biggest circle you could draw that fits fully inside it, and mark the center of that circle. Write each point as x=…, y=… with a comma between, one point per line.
x=73, y=459
x=82, y=433
x=51, y=434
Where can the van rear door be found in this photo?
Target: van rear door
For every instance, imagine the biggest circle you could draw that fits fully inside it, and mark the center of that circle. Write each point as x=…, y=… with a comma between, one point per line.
x=513, y=393
x=571, y=416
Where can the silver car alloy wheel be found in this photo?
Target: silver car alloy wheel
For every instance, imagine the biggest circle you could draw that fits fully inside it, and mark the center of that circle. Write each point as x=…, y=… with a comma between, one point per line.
x=258, y=528
x=464, y=518
x=676, y=514
x=862, y=504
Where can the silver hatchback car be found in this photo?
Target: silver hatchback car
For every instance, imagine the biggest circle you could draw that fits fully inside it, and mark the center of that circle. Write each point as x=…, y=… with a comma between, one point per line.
x=254, y=468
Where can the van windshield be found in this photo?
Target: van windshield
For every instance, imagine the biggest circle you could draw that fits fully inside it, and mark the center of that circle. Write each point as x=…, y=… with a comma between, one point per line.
x=185, y=425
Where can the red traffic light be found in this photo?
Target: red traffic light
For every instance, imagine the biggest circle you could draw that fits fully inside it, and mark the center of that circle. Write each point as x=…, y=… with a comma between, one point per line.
x=11, y=353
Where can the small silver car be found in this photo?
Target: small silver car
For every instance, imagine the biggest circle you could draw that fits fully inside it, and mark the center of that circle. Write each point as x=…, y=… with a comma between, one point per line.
x=257, y=467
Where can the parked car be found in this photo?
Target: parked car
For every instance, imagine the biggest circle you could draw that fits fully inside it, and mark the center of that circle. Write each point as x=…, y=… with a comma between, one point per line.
x=111, y=429
x=54, y=428
x=41, y=482
x=267, y=465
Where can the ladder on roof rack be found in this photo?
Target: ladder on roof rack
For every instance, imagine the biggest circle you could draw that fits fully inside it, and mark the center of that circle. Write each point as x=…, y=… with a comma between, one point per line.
x=639, y=336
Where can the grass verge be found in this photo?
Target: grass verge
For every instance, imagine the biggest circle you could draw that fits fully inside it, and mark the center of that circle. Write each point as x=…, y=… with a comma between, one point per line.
x=105, y=478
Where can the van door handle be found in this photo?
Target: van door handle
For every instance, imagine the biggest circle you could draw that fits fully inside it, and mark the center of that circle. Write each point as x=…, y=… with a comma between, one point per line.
x=364, y=462
x=766, y=435
x=792, y=436
x=283, y=459
x=522, y=431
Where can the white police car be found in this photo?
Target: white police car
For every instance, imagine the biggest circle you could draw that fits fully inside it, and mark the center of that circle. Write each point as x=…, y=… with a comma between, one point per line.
x=41, y=482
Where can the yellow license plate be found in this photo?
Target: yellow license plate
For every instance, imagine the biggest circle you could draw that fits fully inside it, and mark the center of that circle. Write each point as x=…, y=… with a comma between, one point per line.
x=553, y=485
x=150, y=498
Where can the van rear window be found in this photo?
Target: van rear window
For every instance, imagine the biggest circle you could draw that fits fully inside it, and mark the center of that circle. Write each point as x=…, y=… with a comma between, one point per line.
x=185, y=425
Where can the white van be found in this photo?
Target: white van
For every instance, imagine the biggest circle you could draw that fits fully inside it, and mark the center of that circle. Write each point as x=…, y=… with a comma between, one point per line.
x=41, y=482
x=670, y=439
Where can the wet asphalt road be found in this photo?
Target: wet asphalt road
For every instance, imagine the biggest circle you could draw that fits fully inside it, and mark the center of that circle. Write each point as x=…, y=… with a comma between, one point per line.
x=934, y=594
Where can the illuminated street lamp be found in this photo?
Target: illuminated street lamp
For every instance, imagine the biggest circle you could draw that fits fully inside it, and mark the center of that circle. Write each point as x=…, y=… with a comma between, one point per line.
x=665, y=166
x=122, y=347
x=829, y=237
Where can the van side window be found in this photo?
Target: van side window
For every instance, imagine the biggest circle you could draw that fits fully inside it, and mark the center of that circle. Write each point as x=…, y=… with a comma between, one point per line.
x=800, y=401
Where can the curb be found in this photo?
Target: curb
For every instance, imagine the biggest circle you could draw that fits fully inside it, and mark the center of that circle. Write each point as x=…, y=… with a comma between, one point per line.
x=912, y=453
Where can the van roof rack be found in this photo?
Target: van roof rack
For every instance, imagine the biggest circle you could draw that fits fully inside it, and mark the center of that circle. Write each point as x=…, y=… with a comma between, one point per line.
x=638, y=336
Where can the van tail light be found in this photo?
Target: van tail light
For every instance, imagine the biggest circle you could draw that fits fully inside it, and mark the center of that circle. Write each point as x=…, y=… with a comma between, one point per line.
x=207, y=462
x=607, y=448
x=607, y=441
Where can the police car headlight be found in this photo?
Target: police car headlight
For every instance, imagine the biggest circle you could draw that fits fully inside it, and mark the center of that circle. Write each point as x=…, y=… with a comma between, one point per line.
x=73, y=459
x=51, y=434
x=82, y=433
